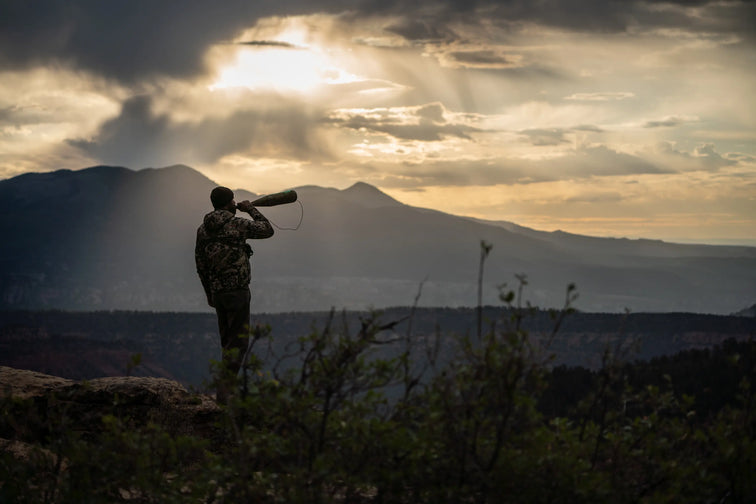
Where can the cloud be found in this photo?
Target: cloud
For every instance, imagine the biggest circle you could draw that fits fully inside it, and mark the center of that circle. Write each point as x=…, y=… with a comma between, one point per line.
x=586, y=163
x=601, y=161
x=459, y=173
x=588, y=128
x=421, y=30
x=670, y=122
x=136, y=41
x=425, y=123
x=132, y=40
x=703, y=157
x=268, y=43
x=14, y=116
x=139, y=137
x=433, y=112
x=740, y=157
x=543, y=137
x=482, y=58
x=711, y=157
x=596, y=197
x=605, y=96
x=595, y=16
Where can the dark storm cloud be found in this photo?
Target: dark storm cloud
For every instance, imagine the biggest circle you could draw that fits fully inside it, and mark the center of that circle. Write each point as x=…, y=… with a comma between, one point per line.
x=138, y=137
x=130, y=40
x=601, y=16
x=421, y=30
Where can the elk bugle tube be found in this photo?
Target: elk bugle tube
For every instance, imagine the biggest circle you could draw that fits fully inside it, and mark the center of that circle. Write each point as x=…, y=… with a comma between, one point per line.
x=274, y=199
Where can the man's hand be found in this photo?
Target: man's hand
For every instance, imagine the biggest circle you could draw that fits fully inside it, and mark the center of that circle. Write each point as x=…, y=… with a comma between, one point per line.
x=245, y=206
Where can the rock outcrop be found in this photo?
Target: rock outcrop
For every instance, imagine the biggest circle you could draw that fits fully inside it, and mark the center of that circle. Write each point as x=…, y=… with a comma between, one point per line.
x=35, y=405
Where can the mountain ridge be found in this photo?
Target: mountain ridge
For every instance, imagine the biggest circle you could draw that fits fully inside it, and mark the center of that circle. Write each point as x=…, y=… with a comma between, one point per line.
x=114, y=238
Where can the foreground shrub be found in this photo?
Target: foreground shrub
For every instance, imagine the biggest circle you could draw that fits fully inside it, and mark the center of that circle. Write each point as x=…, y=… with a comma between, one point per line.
x=365, y=414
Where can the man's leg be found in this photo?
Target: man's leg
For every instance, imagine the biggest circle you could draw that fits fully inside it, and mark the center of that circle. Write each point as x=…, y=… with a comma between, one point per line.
x=233, y=324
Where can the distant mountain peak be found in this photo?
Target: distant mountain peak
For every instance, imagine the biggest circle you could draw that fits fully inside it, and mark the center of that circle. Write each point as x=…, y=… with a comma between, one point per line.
x=362, y=186
x=369, y=196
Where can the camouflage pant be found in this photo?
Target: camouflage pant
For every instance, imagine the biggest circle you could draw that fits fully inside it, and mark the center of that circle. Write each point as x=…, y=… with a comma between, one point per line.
x=232, y=308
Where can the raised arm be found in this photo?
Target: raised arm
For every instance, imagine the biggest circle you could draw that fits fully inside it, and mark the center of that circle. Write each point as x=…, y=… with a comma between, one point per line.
x=259, y=226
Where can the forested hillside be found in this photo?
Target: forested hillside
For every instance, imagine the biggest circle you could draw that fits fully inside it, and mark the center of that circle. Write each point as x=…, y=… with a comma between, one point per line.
x=180, y=346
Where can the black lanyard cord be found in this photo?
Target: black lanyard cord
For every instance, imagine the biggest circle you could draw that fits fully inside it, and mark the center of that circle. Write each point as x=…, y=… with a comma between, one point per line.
x=301, y=217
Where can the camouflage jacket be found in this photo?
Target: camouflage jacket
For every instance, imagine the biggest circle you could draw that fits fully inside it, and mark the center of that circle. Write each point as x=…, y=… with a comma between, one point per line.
x=221, y=252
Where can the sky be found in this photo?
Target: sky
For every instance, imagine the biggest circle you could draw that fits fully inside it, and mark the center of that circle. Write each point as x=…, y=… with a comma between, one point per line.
x=599, y=117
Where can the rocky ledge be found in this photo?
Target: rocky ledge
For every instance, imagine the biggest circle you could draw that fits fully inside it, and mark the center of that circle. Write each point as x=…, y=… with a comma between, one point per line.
x=36, y=405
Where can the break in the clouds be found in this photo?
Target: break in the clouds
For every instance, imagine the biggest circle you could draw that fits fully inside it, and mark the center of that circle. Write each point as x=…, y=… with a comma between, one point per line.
x=540, y=108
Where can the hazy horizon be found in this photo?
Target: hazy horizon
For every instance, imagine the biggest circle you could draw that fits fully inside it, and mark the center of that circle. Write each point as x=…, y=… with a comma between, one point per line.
x=610, y=119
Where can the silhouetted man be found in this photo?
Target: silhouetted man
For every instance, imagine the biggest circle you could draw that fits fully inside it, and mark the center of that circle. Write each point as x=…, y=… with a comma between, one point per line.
x=222, y=257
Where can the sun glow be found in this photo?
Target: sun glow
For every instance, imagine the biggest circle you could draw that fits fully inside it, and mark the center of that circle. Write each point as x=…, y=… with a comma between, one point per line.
x=298, y=69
